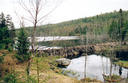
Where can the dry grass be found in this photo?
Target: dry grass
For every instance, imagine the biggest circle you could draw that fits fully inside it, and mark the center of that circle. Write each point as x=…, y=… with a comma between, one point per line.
x=8, y=62
x=49, y=73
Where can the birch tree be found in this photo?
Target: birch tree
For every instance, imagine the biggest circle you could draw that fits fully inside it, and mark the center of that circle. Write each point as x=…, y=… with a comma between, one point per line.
x=37, y=13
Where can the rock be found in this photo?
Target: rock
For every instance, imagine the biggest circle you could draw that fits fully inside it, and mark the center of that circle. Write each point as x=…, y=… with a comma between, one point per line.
x=63, y=62
x=83, y=54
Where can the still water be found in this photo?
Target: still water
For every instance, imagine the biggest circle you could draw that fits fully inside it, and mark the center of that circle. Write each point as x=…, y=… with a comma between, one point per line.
x=56, y=42
x=95, y=67
x=55, y=38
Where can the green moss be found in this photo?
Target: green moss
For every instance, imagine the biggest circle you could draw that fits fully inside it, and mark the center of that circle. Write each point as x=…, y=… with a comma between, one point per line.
x=113, y=79
x=69, y=71
x=122, y=63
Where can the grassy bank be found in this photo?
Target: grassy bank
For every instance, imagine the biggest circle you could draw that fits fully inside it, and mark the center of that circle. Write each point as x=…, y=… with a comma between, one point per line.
x=48, y=70
x=122, y=64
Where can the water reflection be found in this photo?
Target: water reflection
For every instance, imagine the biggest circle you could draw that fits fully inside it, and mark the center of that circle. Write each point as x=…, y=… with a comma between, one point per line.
x=120, y=71
x=95, y=67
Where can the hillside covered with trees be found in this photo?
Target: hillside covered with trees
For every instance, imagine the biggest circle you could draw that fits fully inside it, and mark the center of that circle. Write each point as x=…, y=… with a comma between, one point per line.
x=97, y=27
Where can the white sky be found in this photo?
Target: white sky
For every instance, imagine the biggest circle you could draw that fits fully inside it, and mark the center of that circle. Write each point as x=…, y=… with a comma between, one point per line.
x=69, y=9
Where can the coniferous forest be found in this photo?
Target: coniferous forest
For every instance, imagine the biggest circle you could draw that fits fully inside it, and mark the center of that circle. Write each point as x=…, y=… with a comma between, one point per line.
x=101, y=26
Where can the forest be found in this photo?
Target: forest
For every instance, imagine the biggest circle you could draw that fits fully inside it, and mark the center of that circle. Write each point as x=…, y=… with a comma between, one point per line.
x=98, y=28
x=105, y=38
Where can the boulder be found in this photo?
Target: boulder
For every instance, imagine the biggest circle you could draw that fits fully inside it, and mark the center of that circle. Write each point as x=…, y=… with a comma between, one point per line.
x=63, y=62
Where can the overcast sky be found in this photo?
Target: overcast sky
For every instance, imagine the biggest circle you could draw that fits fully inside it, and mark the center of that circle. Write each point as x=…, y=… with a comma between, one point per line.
x=69, y=9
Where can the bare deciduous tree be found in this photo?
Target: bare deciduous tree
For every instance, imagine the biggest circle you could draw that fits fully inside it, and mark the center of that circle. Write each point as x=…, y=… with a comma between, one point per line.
x=36, y=13
x=35, y=9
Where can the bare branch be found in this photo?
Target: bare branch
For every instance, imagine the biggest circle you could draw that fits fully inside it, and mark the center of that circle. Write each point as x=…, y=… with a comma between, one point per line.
x=42, y=21
x=24, y=6
x=32, y=5
x=41, y=6
x=29, y=20
x=48, y=12
x=34, y=9
x=46, y=15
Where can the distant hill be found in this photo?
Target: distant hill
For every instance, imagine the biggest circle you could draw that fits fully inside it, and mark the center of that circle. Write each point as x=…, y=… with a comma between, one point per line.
x=96, y=26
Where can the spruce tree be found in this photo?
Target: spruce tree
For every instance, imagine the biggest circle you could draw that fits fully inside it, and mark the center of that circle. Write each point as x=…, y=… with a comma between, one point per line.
x=22, y=45
x=118, y=28
x=4, y=33
x=11, y=28
x=114, y=31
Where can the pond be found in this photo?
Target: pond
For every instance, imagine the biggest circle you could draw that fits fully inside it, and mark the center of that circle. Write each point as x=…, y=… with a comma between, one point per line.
x=57, y=42
x=55, y=38
x=95, y=67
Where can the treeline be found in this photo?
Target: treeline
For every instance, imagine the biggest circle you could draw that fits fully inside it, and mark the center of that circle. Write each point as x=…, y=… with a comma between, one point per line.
x=11, y=41
x=97, y=27
x=12, y=46
x=7, y=32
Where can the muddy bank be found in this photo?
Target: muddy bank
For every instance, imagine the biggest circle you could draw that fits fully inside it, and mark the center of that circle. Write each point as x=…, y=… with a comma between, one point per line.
x=71, y=52
x=77, y=51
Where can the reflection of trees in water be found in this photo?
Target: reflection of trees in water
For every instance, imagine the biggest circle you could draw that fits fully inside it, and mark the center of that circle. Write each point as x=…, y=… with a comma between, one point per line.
x=62, y=43
x=86, y=57
x=120, y=71
x=127, y=74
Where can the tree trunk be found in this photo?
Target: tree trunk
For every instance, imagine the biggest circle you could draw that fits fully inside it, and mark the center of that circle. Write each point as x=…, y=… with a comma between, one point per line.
x=28, y=70
x=33, y=40
x=37, y=62
x=85, y=66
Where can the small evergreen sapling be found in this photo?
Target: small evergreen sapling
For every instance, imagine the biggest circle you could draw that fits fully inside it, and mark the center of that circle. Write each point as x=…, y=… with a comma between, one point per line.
x=22, y=46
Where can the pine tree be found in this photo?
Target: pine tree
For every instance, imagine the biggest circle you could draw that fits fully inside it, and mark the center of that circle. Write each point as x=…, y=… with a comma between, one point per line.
x=4, y=33
x=124, y=31
x=11, y=28
x=118, y=28
x=22, y=46
x=114, y=31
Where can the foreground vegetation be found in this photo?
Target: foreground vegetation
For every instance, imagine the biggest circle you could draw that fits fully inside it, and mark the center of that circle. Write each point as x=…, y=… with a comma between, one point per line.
x=48, y=70
x=122, y=64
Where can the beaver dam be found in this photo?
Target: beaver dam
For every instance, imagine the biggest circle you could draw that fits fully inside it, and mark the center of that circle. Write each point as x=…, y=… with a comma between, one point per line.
x=97, y=63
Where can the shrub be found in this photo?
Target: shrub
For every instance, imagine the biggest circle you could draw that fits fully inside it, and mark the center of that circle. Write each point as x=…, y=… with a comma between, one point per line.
x=22, y=58
x=1, y=59
x=10, y=78
x=7, y=65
